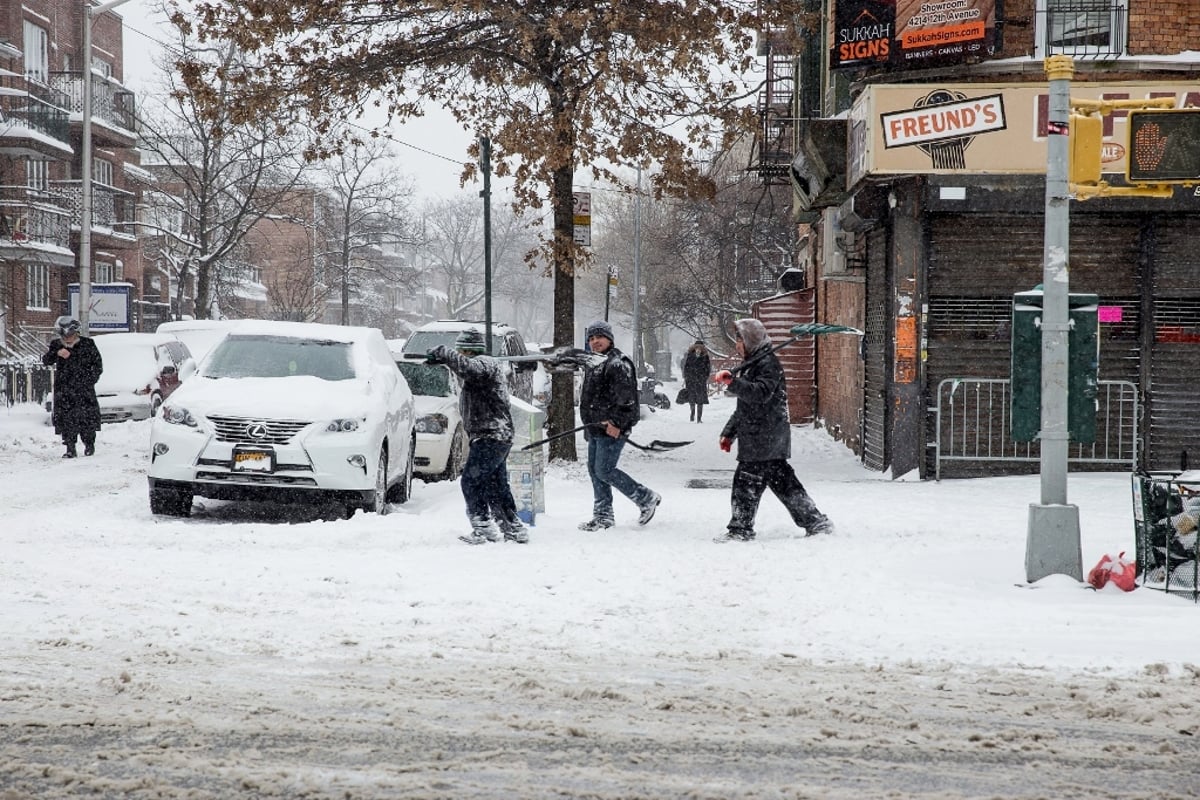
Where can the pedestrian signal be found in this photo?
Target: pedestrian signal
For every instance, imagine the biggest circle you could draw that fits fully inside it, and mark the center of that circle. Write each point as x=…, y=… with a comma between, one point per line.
x=1164, y=146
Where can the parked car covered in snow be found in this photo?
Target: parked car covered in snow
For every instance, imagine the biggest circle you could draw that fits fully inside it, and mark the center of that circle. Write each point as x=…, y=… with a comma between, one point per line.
x=289, y=412
x=200, y=335
x=441, y=439
x=141, y=370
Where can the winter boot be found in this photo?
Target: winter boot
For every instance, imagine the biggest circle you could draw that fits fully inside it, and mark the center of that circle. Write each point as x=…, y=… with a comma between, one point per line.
x=649, y=507
x=596, y=524
x=823, y=525
x=514, y=531
x=70, y=449
x=692, y=417
x=481, y=532
x=735, y=536
x=89, y=446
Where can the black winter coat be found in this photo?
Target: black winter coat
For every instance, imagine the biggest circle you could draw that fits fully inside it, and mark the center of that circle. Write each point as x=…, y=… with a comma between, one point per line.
x=696, y=369
x=483, y=403
x=76, y=409
x=760, y=421
x=610, y=392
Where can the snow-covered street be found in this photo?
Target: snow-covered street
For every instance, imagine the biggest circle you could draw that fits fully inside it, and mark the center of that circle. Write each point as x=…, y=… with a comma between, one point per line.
x=280, y=652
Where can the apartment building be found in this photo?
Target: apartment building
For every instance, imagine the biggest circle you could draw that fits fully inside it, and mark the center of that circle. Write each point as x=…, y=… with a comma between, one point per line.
x=42, y=74
x=921, y=230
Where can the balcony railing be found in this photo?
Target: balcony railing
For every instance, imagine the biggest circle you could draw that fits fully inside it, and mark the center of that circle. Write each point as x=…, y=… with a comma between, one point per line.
x=30, y=215
x=111, y=102
x=111, y=207
x=34, y=105
x=1087, y=29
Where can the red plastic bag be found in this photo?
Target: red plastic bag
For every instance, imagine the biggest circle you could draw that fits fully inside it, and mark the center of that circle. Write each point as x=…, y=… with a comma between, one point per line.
x=1119, y=570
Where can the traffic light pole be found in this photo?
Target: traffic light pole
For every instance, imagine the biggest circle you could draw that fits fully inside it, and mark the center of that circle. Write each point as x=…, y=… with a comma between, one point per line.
x=1052, y=542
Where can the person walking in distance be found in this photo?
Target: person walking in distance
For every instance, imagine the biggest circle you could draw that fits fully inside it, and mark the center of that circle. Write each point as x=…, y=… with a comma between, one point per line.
x=760, y=426
x=608, y=405
x=77, y=366
x=696, y=368
x=488, y=422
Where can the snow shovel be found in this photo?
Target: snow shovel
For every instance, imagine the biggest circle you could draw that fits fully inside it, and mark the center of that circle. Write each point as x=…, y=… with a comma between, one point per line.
x=799, y=332
x=656, y=446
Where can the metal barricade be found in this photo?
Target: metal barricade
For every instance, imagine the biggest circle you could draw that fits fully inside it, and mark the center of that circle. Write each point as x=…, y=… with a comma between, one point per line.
x=973, y=424
x=25, y=383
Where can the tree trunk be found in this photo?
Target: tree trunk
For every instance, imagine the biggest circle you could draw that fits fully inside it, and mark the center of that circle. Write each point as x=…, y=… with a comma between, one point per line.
x=562, y=389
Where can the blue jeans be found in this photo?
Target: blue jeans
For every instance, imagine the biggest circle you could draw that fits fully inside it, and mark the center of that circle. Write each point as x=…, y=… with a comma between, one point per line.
x=603, y=454
x=485, y=482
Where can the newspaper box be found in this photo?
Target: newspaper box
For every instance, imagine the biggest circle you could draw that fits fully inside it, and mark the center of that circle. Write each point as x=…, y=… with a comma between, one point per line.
x=526, y=468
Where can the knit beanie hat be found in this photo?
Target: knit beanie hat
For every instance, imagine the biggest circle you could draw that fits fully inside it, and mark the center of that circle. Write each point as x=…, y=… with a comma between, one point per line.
x=470, y=341
x=600, y=328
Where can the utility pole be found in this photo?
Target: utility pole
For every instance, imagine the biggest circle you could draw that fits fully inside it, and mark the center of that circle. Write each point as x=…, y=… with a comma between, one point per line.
x=1052, y=543
x=85, y=166
x=637, y=274
x=485, y=166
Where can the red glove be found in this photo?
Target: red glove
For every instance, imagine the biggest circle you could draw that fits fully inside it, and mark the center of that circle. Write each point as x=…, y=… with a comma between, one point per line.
x=724, y=377
x=726, y=443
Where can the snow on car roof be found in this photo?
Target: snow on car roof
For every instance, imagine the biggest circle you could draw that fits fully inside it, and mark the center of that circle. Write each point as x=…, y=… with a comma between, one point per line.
x=459, y=324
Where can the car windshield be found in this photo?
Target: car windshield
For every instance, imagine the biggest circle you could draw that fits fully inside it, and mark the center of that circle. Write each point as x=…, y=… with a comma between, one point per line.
x=240, y=356
x=424, y=341
x=426, y=379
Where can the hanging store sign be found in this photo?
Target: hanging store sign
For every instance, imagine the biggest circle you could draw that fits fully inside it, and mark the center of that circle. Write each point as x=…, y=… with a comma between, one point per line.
x=912, y=34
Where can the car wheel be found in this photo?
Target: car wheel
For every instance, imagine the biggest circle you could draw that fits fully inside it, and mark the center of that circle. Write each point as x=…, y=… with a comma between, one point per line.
x=156, y=402
x=402, y=490
x=379, y=497
x=457, y=457
x=170, y=503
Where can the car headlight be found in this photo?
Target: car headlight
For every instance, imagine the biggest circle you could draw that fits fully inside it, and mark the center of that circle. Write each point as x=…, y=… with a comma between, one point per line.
x=432, y=423
x=177, y=415
x=342, y=426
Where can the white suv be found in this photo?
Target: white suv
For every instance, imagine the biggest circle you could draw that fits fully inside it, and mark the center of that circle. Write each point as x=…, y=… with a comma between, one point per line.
x=287, y=411
x=506, y=341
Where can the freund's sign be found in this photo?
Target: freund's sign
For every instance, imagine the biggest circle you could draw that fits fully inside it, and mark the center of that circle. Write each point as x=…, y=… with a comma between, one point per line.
x=913, y=34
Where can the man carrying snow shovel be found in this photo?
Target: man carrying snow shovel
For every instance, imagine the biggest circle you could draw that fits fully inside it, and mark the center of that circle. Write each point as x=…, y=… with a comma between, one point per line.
x=760, y=425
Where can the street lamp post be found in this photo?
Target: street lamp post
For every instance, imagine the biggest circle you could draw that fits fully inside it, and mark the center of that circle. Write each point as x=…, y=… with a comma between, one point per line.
x=85, y=166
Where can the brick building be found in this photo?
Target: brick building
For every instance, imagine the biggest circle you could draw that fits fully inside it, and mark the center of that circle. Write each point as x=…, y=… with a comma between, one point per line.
x=921, y=232
x=42, y=70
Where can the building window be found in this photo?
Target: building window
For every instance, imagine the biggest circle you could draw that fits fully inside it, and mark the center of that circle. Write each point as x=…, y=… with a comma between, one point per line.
x=37, y=176
x=37, y=287
x=102, y=172
x=105, y=273
x=1082, y=28
x=37, y=52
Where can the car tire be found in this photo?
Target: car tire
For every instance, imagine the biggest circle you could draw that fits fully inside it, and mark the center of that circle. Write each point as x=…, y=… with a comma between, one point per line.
x=457, y=457
x=401, y=491
x=170, y=503
x=379, y=498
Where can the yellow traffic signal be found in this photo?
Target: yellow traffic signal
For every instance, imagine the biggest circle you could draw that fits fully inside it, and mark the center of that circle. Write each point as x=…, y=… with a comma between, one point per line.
x=1086, y=136
x=1164, y=146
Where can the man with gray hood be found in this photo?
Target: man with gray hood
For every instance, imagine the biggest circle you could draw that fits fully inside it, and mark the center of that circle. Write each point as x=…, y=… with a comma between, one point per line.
x=761, y=428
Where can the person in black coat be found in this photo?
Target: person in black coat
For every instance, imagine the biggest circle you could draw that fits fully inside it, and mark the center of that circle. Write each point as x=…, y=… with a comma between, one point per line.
x=77, y=366
x=484, y=405
x=696, y=368
x=608, y=405
x=761, y=428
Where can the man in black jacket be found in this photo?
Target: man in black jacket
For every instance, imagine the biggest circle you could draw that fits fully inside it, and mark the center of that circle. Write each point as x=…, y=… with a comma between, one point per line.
x=760, y=426
x=77, y=366
x=608, y=405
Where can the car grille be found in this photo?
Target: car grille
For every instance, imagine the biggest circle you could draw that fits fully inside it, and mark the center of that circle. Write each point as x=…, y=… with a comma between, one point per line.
x=273, y=431
x=253, y=479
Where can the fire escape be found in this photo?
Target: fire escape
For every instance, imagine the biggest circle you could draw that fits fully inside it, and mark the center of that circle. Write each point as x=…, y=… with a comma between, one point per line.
x=773, y=143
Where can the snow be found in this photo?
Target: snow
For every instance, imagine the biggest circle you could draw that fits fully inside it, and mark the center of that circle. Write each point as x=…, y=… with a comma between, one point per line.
x=278, y=651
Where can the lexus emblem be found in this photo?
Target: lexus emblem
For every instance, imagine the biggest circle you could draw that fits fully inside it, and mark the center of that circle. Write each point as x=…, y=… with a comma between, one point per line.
x=257, y=430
